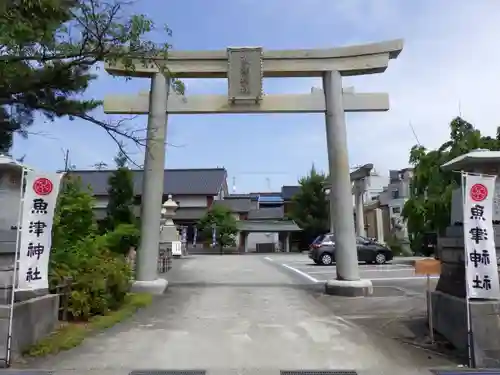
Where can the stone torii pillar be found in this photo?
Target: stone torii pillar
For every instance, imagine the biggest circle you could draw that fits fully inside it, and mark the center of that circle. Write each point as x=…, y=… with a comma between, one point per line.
x=245, y=68
x=360, y=180
x=147, y=279
x=359, y=189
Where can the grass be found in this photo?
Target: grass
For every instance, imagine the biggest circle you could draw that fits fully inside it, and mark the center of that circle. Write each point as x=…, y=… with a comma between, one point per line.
x=70, y=335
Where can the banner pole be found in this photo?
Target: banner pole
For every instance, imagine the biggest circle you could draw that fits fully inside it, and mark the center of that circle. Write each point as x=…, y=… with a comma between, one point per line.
x=470, y=341
x=14, y=273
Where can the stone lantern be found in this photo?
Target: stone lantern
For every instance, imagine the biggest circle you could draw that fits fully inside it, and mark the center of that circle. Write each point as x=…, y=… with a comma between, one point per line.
x=168, y=211
x=169, y=236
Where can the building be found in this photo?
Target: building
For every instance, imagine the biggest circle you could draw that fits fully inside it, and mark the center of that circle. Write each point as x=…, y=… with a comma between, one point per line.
x=375, y=184
x=260, y=216
x=287, y=193
x=194, y=190
x=391, y=202
x=397, y=192
x=261, y=221
x=10, y=198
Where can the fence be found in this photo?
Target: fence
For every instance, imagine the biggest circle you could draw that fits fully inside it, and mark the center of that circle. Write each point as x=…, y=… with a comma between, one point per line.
x=165, y=259
x=64, y=291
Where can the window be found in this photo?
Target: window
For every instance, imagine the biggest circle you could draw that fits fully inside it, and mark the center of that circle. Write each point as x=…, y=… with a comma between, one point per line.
x=395, y=194
x=396, y=210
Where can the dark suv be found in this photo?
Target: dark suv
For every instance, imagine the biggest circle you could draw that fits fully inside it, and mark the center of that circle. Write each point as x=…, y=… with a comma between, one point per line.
x=322, y=250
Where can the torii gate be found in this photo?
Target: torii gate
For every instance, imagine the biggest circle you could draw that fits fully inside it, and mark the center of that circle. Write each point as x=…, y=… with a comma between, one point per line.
x=245, y=69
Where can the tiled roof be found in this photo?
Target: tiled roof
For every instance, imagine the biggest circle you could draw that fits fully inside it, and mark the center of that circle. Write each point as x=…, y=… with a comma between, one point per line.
x=266, y=213
x=239, y=196
x=268, y=194
x=236, y=204
x=175, y=181
x=287, y=192
x=268, y=226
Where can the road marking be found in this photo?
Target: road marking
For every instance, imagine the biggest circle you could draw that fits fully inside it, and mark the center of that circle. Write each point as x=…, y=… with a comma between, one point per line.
x=363, y=270
x=269, y=259
x=307, y=276
x=321, y=272
x=385, y=269
x=404, y=278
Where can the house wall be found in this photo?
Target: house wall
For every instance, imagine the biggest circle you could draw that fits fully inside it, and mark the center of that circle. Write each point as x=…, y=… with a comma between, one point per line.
x=371, y=223
x=255, y=238
x=394, y=197
x=10, y=184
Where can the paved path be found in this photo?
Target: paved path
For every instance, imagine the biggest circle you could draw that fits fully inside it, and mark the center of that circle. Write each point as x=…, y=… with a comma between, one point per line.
x=223, y=313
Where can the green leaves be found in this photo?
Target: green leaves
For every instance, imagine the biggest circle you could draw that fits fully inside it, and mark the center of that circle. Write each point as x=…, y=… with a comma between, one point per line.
x=310, y=206
x=429, y=206
x=225, y=223
x=47, y=50
x=121, y=195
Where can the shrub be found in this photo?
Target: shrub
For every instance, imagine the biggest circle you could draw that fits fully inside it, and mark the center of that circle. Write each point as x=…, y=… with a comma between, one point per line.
x=100, y=276
x=74, y=216
x=101, y=279
x=122, y=238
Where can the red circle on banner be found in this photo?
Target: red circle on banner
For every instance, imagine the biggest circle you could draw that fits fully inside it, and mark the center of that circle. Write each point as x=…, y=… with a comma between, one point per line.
x=43, y=186
x=478, y=192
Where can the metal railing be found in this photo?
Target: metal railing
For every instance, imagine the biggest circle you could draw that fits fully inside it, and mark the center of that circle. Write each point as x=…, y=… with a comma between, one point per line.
x=165, y=259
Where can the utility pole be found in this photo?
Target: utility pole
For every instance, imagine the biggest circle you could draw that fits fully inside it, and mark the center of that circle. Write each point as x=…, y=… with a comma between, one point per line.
x=66, y=159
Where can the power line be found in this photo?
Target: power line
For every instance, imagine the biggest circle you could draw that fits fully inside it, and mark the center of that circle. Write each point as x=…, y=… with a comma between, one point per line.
x=414, y=133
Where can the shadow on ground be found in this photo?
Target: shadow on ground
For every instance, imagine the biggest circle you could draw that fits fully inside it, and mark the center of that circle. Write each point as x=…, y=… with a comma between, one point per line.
x=396, y=314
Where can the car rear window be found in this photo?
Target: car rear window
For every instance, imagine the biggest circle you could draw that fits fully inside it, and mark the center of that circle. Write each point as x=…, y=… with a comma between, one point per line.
x=318, y=239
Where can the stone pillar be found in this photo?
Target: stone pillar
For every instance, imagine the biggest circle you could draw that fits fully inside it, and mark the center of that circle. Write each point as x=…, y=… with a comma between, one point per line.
x=379, y=222
x=245, y=242
x=287, y=242
x=348, y=281
x=359, y=191
x=152, y=189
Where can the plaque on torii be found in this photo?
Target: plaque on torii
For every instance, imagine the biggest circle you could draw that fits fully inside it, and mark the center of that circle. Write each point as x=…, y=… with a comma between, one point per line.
x=245, y=75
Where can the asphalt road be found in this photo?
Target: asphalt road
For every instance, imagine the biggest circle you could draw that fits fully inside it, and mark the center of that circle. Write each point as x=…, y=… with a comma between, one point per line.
x=393, y=274
x=243, y=315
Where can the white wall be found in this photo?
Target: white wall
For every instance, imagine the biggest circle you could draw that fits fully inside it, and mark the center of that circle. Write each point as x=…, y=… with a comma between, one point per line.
x=10, y=184
x=255, y=238
x=191, y=201
x=101, y=202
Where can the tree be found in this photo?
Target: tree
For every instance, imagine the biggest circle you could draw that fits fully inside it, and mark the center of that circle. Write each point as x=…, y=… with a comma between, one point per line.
x=47, y=51
x=429, y=206
x=310, y=206
x=100, y=278
x=121, y=194
x=225, y=224
x=74, y=215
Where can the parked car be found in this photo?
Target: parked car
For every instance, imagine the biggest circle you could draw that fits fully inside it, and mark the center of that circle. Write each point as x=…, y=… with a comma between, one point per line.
x=322, y=250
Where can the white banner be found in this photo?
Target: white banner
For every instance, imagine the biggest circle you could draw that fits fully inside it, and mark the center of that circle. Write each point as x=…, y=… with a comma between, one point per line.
x=479, y=238
x=39, y=203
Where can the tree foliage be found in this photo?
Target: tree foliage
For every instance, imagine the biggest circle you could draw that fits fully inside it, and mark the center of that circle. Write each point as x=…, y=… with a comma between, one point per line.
x=310, y=205
x=225, y=223
x=48, y=49
x=100, y=278
x=429, y=206
x=121, y=194
x=74, y=216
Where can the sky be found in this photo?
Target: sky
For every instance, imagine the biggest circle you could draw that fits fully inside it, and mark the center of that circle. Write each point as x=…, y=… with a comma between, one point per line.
x=450, y=66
